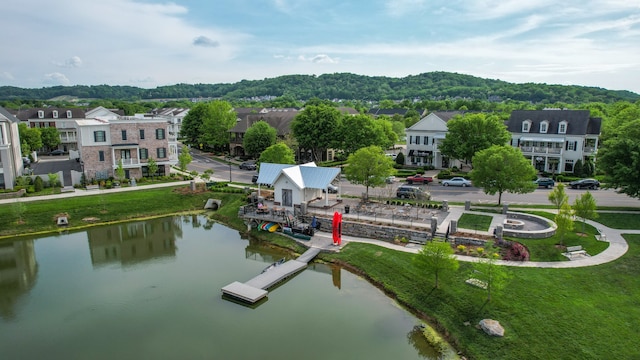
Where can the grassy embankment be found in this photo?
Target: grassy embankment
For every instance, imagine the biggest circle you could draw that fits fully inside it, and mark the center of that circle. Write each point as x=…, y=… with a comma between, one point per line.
x=581, y=313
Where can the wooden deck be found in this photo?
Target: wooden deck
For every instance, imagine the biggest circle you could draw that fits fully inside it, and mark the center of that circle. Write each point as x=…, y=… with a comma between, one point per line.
x=256, y=288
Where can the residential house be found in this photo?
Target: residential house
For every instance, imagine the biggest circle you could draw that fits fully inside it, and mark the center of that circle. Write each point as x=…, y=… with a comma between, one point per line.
x=103, y=144
x=424, y=138
x=174, y=117
x=11, y=165
x=280, y=119
x=553, y=139
x=375, y=112
x=64, y=120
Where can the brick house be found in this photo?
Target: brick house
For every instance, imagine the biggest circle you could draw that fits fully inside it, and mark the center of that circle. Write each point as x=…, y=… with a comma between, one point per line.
x=132, y=140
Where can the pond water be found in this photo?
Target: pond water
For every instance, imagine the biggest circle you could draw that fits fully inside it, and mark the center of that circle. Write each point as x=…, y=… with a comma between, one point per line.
x=152, y=290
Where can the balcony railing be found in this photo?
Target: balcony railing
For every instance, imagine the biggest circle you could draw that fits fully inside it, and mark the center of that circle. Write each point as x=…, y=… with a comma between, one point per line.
x=540, y=150
x=590, y=149
x=132, y=161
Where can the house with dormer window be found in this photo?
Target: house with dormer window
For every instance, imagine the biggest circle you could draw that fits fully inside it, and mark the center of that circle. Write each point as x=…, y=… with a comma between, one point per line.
x=553, y=139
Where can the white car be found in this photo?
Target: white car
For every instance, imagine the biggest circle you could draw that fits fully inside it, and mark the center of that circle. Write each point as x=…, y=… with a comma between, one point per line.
x=456, y=181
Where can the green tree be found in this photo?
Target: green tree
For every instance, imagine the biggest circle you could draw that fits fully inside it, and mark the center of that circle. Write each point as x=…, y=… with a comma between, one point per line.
x=471, y=133
x=120, y=171
x=400, y=159
x=369, y=167
x=558, y=196
x=184, y=158
x=38, y=184
x=219, y=118
x=585, y=208
x=258, y=137
x=500, y=169
x=50, y=137
x=278, y=153
x=192, y=124
x=619, y=159
x=564, y=221
x=30, y=138
x=315, y=128
x=53, y=179
x=436, y=258
x=152, y=167
x=578, y=168
x=491, y=273
x=361, y=131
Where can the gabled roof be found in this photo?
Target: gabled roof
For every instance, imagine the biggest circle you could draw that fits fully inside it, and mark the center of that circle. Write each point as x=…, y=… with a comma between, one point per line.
x=302, y=176
x=579, y=122
x=7, y=115
x=445, y=116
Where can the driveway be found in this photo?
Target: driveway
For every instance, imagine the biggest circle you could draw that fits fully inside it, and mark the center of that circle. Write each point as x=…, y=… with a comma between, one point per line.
x=53, y=164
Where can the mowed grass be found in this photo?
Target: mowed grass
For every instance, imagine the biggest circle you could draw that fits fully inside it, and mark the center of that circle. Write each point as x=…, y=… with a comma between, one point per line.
x=475, y=222
x=39, y=216
x=580, y=313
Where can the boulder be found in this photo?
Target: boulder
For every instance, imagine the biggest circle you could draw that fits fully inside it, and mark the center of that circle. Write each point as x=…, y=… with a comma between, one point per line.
x=492, y=327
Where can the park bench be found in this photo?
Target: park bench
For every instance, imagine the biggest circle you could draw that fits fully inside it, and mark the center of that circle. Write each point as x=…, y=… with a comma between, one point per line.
x=575, y=250
x=601, y=236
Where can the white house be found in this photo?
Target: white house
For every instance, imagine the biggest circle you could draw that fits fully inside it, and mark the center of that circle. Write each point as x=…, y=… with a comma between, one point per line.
x=424, y=138
x=554, y=140
x=11, y=165
x=295, y=185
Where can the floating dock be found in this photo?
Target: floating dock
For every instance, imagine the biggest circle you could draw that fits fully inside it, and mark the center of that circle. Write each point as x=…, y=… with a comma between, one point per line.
x=256, y=288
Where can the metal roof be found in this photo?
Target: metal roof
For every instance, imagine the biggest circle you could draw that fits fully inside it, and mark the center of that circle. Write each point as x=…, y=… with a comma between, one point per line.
x=303, y=176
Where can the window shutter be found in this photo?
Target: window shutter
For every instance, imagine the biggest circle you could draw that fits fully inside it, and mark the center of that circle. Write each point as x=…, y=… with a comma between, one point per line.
x=410, y=139
x=575, y=146
x=566, y=145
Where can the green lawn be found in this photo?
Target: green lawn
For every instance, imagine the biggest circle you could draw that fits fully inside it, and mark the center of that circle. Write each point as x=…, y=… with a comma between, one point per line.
x=582, y=313
x=619, y=220
x=475, y=222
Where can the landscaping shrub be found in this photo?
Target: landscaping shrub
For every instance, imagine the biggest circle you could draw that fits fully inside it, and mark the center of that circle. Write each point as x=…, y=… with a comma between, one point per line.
x=38, y=184
x=517, y=252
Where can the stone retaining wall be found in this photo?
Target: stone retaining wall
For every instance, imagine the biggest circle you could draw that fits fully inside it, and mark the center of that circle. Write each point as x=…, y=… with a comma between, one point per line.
x=536, y=234
x=372, y=231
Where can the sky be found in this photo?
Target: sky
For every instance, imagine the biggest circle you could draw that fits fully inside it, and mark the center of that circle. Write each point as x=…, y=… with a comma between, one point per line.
x=149, y=43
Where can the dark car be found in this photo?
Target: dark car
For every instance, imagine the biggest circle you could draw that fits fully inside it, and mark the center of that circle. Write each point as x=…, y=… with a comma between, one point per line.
x=56, y=152
x=248, y=165
x=410, y=192
x=332, y=189
x=585, y=184
x=545, y=182
x=254, y=179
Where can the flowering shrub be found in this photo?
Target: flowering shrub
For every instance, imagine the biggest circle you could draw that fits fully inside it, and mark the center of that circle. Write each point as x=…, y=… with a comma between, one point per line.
x=517, y=252
x=461, y=248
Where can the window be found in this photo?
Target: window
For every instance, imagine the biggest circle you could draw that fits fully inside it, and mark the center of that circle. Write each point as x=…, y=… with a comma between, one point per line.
x=69, y=114
x=571, y=145
x=160, y=134
x=562, y=127
x=526, y=125
x=55, y=114
x=144, y=153
x=543, y=127
x=124, y=134
x=101, y=155
x=100, y=136
x=125, y=154
x=141, y=134
x=40, y=114
x=568, y=165
x=162, y=153
x=425, y=140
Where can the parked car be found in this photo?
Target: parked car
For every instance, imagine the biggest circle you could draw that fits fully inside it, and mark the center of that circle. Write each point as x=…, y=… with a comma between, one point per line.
x=390, y=179
x=419, y=179
x=410, y=192
x=248, y=165
x=545, y=182
x=456, y=181
x=56, y=152
x=332, y=189
x=392, y=156
x=26, y=162
x=254, y=179
x=585, y=184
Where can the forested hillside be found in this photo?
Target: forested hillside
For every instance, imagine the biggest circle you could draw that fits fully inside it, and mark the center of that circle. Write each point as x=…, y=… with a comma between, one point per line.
x=346, y=86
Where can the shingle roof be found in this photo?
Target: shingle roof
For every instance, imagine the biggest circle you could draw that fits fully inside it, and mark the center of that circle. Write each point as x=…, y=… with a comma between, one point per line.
x=303, y=176
x=579, y=122
x=5, y=113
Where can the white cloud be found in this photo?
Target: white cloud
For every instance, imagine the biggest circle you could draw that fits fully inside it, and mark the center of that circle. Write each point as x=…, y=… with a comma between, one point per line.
x=56, y=78
x=320, y=59
x=398, y=8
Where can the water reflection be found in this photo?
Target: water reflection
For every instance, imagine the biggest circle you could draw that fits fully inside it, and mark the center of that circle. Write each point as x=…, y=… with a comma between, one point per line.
x=135, y=242
x=18, y=272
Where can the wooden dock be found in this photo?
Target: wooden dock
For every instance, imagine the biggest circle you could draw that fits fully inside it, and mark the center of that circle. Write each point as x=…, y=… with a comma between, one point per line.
x=256, y=288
